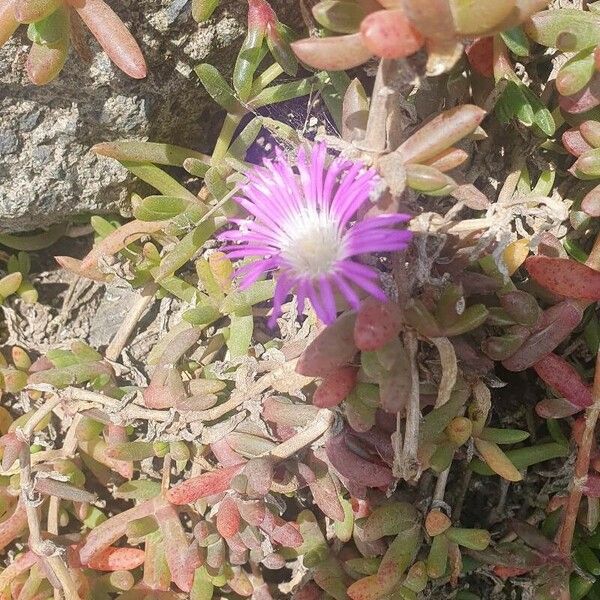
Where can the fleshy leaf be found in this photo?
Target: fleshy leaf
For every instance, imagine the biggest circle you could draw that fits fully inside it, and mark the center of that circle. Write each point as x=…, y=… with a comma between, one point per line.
x=113, y=36
x=332, y=348
x=564, y=378
x=354, y=467
x=389, y=519
x=333, y=53
x=201, y=486
x=565, y=277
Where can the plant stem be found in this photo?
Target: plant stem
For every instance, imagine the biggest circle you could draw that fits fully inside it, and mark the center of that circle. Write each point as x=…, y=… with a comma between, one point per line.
x=132, y=411
x=119, y=341
x=409, y=463
x=314, y=431
x=582, y=465
x=463, y=487
x=376, y=135
x=397, y=444
x=46, y=549
x=440, y=487
x=63, y=574
x=38, y=416
x=53, y=511
x=265, y=78
x=135, y=411
x=224, y=141
x=265, y=382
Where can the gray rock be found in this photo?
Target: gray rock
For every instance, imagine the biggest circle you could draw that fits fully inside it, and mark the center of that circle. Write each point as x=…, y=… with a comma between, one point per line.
x=47, y=173
x=9, y=142
x=116, y=302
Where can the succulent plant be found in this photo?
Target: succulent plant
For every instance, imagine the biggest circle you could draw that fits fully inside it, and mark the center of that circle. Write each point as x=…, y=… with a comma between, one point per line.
x=399, y=28
x=377, y=330
x=15, y=281
x=54, y=25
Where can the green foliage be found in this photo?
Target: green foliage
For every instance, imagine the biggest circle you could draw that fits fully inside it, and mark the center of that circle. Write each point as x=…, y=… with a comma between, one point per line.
x=233, y=448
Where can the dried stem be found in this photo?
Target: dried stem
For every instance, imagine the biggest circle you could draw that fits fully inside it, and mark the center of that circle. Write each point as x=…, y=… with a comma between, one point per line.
x=68, y=449
x=28, y=497
x=166, y=474
x=409, y=464
x=376, y=135
x=131, y=412
x=38, y=416
x=313, y=432
x=119, y=341
x=60, y=569
x=582, y=465
x=397, y=444
x=70, y=442
x=127, y=413
x=237, y=398
x=53, y=511
x=498, y=510
x=449, y=369
x=46, y=549
x=463, y=487
x=440, y=488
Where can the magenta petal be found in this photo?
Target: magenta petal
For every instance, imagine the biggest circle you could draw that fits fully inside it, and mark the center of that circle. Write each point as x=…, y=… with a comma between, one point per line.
x=282, y=290
x=313, y=296
x=301, y=295
x=347, y=291
x=327, y=298
x=371, y=288
x=251, y=273
x=353, y=269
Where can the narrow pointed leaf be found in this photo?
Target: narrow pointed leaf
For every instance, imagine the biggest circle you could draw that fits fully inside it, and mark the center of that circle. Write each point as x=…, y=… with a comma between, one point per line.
x=162, y=154
x=218, y=89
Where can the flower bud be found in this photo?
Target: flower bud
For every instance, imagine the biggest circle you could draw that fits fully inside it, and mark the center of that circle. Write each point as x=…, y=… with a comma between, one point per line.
x=459, y=430
x=436, y=522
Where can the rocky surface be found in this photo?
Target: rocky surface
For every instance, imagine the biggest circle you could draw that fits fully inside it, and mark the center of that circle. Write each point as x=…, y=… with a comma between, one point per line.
x=47, y=173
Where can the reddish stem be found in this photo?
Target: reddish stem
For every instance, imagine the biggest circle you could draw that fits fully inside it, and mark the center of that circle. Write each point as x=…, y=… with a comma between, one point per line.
x=582, y=465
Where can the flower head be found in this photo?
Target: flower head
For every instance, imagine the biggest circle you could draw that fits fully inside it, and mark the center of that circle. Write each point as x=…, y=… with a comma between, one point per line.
x=302, y=229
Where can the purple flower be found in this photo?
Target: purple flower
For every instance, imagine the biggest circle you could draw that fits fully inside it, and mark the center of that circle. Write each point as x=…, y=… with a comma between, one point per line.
x=301, y=228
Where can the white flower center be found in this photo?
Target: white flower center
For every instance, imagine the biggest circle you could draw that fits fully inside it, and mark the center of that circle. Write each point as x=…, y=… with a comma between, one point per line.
x=312, y=244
